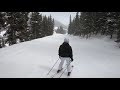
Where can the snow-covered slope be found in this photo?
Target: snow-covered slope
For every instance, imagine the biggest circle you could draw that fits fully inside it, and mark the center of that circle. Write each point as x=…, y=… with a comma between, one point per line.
x=93, y=58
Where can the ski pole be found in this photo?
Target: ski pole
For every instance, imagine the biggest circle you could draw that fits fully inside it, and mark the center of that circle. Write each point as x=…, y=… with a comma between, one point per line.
x=64, y=70
x=52, y=67
x=56, y=73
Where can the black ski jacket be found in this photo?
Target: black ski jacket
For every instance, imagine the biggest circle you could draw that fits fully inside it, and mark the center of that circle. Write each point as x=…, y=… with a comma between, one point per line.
x=65, y=50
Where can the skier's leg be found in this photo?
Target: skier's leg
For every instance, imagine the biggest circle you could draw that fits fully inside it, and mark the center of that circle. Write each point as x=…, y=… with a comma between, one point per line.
x=61, y=63
x=68, y=60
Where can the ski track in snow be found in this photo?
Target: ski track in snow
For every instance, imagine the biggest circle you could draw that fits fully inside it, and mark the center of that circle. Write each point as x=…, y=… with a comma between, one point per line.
x=93, y=58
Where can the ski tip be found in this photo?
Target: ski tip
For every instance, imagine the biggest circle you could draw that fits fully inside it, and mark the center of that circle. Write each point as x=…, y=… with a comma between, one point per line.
x=72, y=66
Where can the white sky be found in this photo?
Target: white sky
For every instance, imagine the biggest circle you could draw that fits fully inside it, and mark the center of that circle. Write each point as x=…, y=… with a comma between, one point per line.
x=63, y=17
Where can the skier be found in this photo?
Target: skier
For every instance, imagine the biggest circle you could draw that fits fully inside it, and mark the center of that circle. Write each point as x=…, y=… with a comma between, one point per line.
x=65, y=54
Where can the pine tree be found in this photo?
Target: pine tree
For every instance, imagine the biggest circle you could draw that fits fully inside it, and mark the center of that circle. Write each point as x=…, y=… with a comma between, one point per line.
x=11, y=32
x=2, y=19
x=17, y=27
x=2, y=25
x=69, y=27
x=76, y=29
x=85, y=23
x=44, y=26
x=40, y=26
x=118, y=26
x=22, y=25
x=35, y=25
x=82, y=21
x=50, y=25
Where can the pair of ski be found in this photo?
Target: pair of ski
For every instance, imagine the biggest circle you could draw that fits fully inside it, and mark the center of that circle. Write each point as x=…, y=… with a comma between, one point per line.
x=62, y=72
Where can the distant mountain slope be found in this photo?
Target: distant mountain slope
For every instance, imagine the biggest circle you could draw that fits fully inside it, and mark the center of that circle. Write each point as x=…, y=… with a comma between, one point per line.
x=58, y=23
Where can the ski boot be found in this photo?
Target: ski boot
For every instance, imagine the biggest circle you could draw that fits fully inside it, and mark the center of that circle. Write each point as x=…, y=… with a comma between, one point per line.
x=59, y=70
x=69, y=73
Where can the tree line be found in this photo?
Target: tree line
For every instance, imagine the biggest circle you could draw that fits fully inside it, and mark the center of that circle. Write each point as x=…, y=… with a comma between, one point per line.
x=25, y=26
x=92, y=23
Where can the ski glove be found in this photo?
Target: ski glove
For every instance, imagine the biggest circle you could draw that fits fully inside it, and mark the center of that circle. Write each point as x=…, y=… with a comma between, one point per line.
x=71, y=59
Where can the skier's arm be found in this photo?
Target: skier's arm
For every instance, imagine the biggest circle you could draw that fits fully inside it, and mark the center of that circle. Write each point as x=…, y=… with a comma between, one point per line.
x=71, y=56
x=59, y=51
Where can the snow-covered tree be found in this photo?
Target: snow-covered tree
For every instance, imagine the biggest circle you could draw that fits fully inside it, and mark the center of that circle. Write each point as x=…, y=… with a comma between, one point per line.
x=2, y=25
x=17, y=27
x=35, y=25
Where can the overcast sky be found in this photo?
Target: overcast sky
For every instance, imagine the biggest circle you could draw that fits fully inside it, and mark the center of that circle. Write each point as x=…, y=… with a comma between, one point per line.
x=63, y=17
